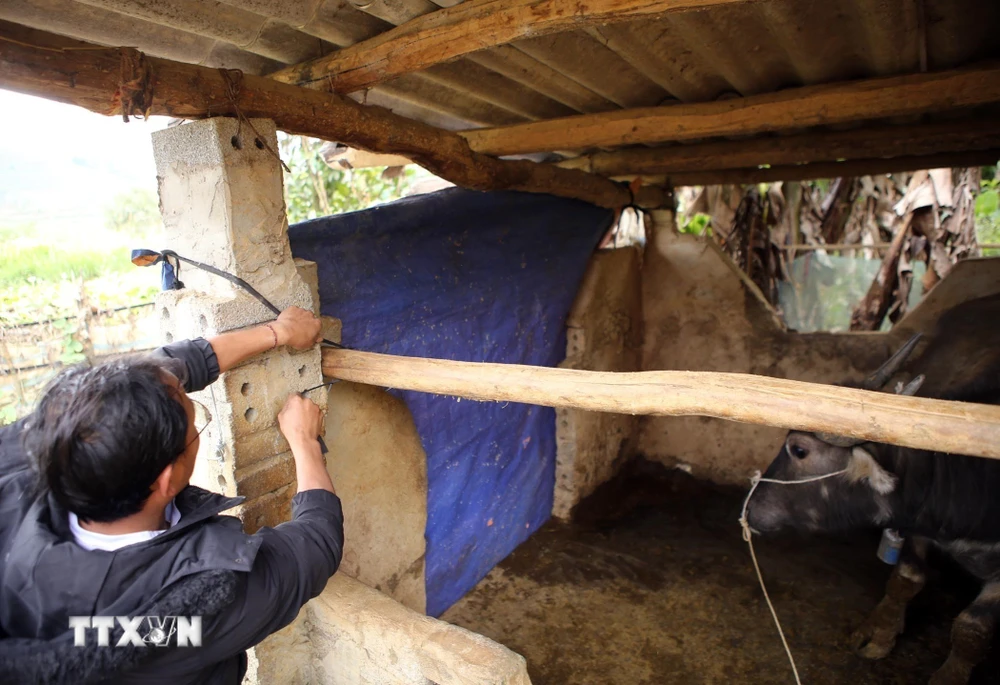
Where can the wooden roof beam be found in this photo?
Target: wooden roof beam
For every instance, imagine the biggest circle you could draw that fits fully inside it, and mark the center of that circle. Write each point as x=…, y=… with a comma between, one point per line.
x=90, y=76
x=806, y=172
x=466, y=28
x=836, y=103
x=806, y=148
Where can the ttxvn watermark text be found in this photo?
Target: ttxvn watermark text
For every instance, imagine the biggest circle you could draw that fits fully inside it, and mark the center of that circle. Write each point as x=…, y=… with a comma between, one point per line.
x=137, y=631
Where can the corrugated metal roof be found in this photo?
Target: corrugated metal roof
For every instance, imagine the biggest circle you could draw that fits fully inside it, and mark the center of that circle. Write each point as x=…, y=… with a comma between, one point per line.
x=695, y=56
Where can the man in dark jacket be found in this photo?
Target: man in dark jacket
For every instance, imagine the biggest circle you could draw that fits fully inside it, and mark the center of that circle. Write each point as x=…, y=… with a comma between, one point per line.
x=97, y=518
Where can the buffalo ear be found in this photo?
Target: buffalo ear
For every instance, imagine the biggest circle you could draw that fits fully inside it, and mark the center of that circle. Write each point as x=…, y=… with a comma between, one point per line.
x=862, y=465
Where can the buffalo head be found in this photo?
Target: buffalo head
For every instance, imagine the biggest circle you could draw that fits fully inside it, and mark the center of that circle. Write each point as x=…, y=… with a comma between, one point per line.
x=858, y=496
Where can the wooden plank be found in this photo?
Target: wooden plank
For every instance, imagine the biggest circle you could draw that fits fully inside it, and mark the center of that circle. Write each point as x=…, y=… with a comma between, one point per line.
x=89, y=76
x=469, y=27
x=815, y=146
x=788, y=109
x=345, y=157
x=804, y=172
x=503, y=60
x=917, y=422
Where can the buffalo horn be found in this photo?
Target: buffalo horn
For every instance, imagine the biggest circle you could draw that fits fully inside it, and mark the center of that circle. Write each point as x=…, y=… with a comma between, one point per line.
x=877, y=380
x=912, y=387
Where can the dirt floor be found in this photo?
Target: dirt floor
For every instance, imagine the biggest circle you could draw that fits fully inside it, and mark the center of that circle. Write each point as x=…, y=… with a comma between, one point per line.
x=653, y=584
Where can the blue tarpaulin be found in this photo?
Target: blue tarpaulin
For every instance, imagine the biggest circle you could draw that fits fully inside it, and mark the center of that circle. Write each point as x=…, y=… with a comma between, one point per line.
x=467, y=276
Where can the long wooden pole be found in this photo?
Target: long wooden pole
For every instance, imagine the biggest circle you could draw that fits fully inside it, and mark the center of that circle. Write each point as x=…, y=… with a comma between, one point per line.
x=851, y=167
x=918, y=422
x=794, y=108
x=877, y=142
x=450, y=33
x=90, y=76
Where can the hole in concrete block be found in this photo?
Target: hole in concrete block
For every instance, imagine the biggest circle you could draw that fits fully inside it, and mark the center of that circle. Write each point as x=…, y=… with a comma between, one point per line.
x=250, y=415
x=302, y=371
x=236, y=142
x=169, y=337
x=165, y=314
x=245, y=389
x=203, y=322
x=222, y=481
x=260, y=145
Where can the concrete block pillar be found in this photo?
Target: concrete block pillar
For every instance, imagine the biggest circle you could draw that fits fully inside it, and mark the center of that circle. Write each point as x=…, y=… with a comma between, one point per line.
x=222, y=203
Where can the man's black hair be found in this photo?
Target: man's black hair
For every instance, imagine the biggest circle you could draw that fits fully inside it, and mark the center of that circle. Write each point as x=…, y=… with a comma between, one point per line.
x=101, y=436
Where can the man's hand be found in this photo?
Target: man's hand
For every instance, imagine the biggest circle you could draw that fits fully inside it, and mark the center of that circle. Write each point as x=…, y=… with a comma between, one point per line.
x=300, y=421
x=298, y=329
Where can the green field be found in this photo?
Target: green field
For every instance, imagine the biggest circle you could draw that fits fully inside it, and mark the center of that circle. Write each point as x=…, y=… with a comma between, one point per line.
x=44, y=271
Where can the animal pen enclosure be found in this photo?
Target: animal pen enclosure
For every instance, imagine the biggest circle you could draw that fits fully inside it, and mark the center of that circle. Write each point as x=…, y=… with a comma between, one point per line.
x=603, y=106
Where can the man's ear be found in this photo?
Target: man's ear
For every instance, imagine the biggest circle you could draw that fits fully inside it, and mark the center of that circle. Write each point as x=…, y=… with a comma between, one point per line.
x=862, y=465
x=163, y=484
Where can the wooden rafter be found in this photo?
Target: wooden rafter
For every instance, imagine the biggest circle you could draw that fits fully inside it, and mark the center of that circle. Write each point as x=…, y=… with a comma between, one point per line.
x=472, y=26
x=90, y=76
x=804, y=172
x=918, y=422
x=794, y=108
x=806, y=148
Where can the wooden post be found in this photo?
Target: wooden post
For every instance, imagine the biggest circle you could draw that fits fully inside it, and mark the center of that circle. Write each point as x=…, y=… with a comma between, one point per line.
x=85, y=330
x=918, y=422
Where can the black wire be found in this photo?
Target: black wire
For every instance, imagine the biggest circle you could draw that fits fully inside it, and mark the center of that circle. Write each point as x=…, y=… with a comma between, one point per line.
x=243, y=284
x=321, y=385
x=228, y=276
x=631, y=198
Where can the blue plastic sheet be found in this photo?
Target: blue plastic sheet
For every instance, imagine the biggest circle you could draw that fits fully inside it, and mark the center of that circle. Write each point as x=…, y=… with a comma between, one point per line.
x=468, y=276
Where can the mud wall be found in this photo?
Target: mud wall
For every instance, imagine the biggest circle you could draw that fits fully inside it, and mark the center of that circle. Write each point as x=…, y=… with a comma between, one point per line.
x=352, y=634
x=379, y=469
x=701, y=314
x=603, y=333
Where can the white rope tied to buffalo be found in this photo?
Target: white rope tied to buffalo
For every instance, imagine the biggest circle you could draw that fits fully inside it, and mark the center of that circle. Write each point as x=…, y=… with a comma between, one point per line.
x=756, y=480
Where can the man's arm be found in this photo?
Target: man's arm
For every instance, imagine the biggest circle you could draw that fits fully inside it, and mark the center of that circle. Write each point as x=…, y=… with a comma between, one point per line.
x=293, y=564
x=296, y=559
x=294, y=327
x=206, y=359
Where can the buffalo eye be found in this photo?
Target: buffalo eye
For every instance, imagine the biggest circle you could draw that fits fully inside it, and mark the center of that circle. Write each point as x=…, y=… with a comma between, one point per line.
x=798, y=451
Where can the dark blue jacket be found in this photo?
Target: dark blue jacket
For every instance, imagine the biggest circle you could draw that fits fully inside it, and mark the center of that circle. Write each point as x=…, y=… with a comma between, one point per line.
x=45, y=577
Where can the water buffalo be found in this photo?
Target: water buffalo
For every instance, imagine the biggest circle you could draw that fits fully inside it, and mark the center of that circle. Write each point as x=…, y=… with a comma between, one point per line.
x=948, y=501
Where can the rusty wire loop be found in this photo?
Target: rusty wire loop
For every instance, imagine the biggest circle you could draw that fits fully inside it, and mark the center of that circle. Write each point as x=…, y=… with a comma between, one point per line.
x=233, y=78
x=135, y=84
